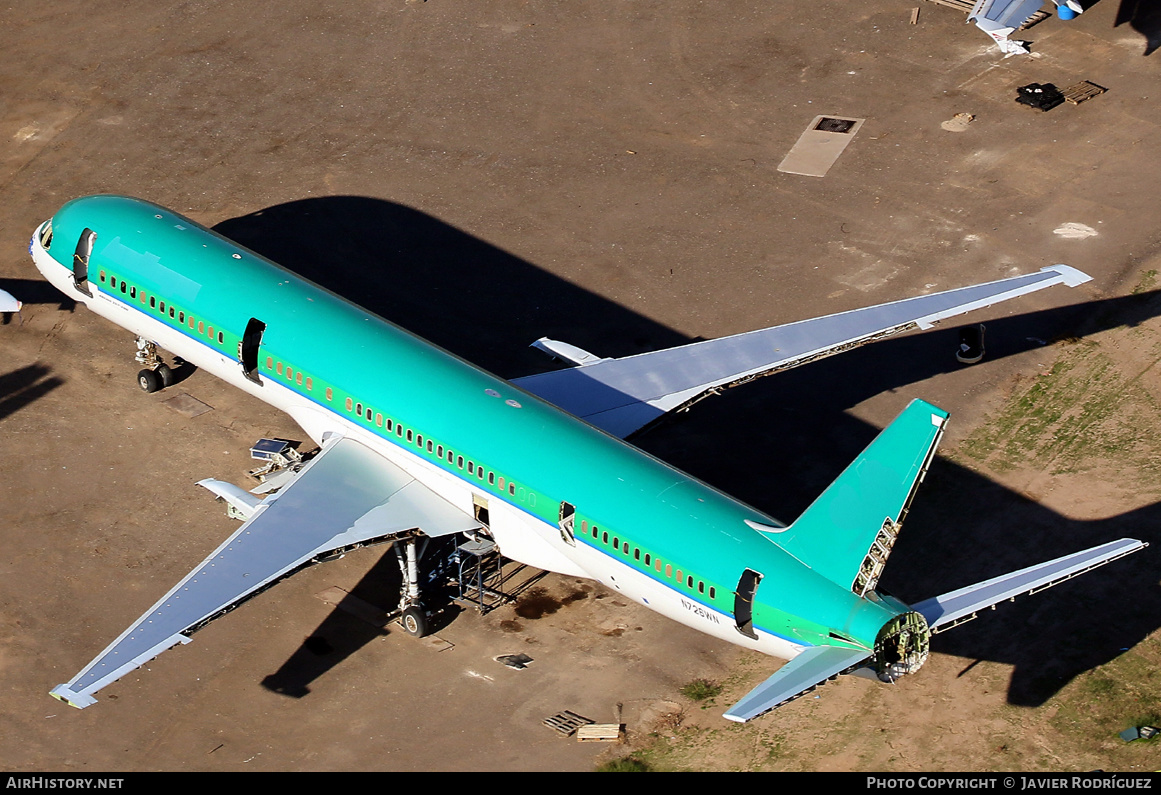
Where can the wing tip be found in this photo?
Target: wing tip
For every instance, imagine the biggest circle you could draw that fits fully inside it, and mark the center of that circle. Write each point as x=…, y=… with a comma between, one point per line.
x=73, y=698
x=1070, y=275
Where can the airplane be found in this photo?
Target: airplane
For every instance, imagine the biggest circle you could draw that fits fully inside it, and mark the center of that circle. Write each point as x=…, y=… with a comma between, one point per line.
x=418, y=444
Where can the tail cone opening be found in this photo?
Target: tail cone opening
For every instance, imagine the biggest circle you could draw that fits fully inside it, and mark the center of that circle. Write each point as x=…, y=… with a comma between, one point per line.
x=902, y=646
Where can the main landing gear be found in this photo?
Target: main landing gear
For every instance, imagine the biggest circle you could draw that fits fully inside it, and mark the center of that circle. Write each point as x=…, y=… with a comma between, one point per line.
x=413, y=617
x=157, y=375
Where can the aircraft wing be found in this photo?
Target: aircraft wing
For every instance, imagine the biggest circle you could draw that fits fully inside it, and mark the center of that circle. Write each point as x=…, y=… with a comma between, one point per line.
x=346, y=496
x=810, y=668
x=623, y=395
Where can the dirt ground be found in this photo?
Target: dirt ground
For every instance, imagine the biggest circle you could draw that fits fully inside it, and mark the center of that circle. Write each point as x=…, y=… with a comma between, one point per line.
x=486, y=174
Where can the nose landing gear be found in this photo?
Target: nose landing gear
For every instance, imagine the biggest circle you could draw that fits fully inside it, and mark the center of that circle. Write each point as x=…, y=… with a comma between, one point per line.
x=157, y=375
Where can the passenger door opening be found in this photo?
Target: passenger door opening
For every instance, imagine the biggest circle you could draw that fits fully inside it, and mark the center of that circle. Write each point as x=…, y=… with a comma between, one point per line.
x=744, y=602
x=248, y=349
x=81, y=260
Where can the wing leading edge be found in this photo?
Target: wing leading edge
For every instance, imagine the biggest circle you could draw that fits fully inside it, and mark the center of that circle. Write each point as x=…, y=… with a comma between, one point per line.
x=623, y=395
x=285, y=532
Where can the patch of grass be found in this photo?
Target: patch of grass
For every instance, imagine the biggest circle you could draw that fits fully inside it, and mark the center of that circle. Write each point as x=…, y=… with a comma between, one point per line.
x=701, y=689
x=626, y=764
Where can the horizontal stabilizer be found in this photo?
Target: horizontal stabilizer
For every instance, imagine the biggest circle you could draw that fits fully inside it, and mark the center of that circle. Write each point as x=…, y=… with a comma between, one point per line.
x=347, y=496
x=848, y=532
x=623, y=395
x=810, y=668
x=960, y=606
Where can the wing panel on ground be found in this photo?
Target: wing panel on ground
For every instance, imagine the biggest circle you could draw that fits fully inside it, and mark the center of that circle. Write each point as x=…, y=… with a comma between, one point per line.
x=613, y=393
x=348, y=494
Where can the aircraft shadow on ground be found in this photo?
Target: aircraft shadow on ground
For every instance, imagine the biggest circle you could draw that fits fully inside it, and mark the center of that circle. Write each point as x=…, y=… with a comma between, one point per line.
x=1143, y=16
x=775, y=443
x=25, y=385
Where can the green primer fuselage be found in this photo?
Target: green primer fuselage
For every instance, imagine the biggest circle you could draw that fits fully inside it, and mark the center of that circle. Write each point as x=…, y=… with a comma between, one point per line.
x=523, y=451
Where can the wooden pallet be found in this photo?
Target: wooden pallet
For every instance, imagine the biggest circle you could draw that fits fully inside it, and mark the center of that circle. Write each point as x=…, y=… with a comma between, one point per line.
x=566, y=722
x=599, y=733
x=961, y=5
x=1082, y=91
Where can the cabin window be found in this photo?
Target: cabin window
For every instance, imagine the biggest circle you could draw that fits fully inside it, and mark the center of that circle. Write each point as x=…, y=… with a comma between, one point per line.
x=678, y=575
x=647, y=560
x=512, y=489
x=153, y=302
x=201, y=327
x=298, y=378
x=480, y=472
x=439, y=451
x=616, y=543
x=594, y=531
x=369, y=414
x=102, y=277
x=123, y=285
x=605, y=537
x=309, y=380
x=161, y=307
x=278, y=370
x=636, y=553
x=210, y=331
x=713, y=592
x=430, y=446
x=191, y=321
x=358, y=408
x=657, y=564
x=668, y=570
x=180, y=315
x=491, y=478
x=460, y=461
x=501, y=484
x=399, y=431
x=289, y=373
x=689, y=581
x=532, y=499
x=471, y=468
x=419, y=440
x=350, y=403
x=330, y=393
x=171, y=311
x=132, y=292
x=410, y=433
x=379, y=419
x=700, y=586
x=221, y=338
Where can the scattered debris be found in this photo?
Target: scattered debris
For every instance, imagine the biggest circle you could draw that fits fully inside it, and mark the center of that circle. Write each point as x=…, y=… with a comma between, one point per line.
x=566, y=722
x=1074, y=231
x=1139, y=733
x=600, y=733
x=1082, y=91
x=517, y=661
x=1041, y=96
x=958, y=123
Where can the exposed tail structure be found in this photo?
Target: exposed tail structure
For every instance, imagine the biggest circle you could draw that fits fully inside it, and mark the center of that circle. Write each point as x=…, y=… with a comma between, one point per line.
x=867, y=504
